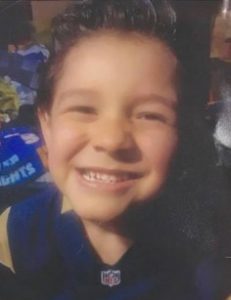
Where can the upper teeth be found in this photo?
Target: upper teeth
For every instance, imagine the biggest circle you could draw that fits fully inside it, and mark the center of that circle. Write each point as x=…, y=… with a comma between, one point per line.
x=102, y=177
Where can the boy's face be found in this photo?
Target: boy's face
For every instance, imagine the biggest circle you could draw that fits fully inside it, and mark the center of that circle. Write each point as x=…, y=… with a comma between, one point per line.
x=111, y=132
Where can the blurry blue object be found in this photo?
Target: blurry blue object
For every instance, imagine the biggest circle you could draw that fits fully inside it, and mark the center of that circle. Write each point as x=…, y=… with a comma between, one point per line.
x=19, y=158
x=21, y=68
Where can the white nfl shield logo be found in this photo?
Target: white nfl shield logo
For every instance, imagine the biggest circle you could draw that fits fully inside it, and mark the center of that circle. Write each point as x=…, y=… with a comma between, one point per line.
x=111, y=277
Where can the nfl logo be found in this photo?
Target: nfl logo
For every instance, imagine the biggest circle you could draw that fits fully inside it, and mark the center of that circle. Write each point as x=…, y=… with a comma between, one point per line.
x=111, y=277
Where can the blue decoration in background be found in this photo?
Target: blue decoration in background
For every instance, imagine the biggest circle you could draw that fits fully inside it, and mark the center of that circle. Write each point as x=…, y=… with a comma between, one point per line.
x=23, y=69
x=19, y=159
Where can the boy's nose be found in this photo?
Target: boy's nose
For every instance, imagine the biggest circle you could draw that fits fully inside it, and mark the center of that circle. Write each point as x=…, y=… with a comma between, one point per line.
x=112, y=136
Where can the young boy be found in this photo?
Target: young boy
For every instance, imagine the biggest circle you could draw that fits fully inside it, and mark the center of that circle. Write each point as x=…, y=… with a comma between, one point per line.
x=108, y=111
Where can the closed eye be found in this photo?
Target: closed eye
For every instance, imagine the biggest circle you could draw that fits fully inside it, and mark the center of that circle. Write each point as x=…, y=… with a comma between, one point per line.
x=84, y=109
x=150, y=116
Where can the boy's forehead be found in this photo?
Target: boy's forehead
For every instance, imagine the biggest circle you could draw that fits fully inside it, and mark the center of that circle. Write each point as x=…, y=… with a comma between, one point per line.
x=99, y=49
x=144, y=59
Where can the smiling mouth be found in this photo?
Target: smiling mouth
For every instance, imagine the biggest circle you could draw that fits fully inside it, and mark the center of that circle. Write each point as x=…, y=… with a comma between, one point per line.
x=108, y=176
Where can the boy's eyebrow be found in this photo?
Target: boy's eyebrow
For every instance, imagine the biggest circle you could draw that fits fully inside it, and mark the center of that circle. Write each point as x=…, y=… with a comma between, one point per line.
x=152, y=97
x=76, y=93
x=155, y=98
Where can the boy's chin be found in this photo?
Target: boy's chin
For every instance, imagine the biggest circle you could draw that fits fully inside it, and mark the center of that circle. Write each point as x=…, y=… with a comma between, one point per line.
x=99, y=217
x=100, y=214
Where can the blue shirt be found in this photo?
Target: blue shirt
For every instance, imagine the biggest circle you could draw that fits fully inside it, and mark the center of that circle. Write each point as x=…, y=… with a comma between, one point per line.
x=53, y=258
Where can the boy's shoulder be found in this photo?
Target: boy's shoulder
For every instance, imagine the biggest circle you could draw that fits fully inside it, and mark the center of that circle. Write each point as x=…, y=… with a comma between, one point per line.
x=44, y=200
x=26, y=224
x=214, y=277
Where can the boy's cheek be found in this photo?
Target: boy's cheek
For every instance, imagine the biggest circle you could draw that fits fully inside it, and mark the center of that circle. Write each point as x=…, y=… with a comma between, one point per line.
x=63, y=147
x=160, y=147
x=150, y=187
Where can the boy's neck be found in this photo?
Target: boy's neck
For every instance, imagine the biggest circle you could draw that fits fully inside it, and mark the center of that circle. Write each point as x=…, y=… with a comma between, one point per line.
x=108, y=243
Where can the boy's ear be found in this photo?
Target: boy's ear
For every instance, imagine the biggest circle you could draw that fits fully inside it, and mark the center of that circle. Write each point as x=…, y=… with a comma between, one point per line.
x=44, y=120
